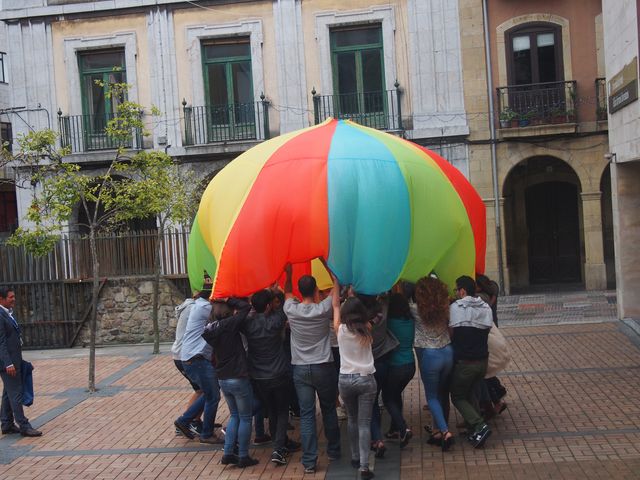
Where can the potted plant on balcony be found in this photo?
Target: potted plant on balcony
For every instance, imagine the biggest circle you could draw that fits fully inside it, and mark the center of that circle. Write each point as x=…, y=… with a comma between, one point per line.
x=525, y=118
x=558, y=115
x=506, y=117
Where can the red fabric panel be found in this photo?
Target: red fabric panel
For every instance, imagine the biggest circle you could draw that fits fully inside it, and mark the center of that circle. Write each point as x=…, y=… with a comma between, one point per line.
x=284, y=217
x=472, y=203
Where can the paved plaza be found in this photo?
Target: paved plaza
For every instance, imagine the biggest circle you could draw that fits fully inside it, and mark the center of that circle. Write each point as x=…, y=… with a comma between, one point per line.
x=574, y=411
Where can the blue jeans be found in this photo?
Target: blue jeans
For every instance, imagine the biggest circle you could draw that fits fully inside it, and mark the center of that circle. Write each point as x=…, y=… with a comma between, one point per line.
x=239, y=396
x=358, y=393
x=201, y=371
x=309, y=380
x=435, y=369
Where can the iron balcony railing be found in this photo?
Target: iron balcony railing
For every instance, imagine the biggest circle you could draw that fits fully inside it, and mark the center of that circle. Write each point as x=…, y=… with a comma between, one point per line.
x=601, y=98
x=379, y=109
x=224, y=123
x=86, y=133
x=537, y=104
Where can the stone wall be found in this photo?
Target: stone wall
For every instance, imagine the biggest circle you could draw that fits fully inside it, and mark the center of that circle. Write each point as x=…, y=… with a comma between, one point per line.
x=125, y=312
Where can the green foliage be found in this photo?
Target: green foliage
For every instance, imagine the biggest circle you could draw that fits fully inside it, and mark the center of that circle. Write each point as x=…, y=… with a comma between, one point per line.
x=39, y=240
x=158, y=187
x=508, y=114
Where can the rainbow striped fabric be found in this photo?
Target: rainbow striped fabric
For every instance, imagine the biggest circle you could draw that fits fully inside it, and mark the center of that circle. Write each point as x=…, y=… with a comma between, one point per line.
x=378, y=208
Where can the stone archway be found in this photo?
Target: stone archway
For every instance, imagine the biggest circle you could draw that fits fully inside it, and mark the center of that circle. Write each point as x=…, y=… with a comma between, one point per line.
x=543, y=224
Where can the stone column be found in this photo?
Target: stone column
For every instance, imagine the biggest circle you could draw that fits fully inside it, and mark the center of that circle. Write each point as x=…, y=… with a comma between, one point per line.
x=595, y=273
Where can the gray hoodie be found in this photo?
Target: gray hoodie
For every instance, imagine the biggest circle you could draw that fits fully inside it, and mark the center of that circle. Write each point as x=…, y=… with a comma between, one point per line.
x=182, y=314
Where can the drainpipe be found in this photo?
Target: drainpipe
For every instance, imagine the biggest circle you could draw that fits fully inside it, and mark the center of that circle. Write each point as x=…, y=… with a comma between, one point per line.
x=492, y=130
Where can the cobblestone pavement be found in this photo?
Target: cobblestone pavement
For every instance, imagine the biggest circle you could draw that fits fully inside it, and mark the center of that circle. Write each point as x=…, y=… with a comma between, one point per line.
x=573, y=391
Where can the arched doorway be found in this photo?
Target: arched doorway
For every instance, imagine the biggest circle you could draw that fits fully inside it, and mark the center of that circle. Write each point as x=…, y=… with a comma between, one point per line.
x=542, y=224
x=607, y=228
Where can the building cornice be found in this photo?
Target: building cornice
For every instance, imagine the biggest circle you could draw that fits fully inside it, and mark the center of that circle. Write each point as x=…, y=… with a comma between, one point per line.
x=104, y=6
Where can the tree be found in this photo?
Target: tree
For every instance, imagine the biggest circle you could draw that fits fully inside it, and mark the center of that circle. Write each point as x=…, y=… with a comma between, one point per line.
x=163, y=190
x=60, y=185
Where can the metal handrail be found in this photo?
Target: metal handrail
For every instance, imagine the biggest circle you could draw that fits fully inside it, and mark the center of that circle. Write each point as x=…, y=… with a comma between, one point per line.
x=537, y=103
x=86, y=133
x=208, y=124
x=377, y=109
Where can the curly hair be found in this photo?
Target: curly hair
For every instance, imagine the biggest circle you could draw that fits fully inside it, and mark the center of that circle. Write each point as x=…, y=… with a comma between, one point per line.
x=432, y=298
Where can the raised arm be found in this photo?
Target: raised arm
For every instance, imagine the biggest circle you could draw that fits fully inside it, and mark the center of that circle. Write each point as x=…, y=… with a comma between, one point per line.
x=288, y=284
x=335, y=302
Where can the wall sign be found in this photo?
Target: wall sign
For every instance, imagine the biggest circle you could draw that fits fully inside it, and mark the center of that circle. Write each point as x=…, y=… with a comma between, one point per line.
x=623, y=86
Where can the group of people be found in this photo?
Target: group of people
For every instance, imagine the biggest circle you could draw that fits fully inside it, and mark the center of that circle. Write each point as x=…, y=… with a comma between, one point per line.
x=273, y=353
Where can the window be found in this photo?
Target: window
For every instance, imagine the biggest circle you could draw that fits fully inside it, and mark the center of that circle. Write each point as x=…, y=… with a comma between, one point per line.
x=8, y=212
x=98, y=71
x=6, y=135
x=3, y=73
x=537, y=90
x=229, y=89
x=535, y=52
x=358, y=74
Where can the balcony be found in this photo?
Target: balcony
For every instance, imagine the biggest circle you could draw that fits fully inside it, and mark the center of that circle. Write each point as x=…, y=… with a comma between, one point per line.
x=379, y=109
x=86, y=133
x=601, y=99
x=226, y=123
x=536, y=104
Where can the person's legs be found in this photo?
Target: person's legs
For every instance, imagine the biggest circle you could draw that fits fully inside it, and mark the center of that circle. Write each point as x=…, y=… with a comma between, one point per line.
x=349, y=396
x=463, y=378
x=231, y=433
x=433, y=364
x=445, y=381
x=366, y=397
x=11, y=408
x=306, y=393
x=241, y=393
x=275, y=394
x=398, y=378
x=382, y=367
x=258, y=418
x=324, y=379
x=202, y=372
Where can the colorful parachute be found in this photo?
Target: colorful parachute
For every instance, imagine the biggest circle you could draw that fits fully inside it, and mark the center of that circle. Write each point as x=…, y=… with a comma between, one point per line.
x=378, y=208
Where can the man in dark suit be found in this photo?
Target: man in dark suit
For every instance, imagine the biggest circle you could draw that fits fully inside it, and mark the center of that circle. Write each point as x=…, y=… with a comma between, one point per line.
x=10, y=366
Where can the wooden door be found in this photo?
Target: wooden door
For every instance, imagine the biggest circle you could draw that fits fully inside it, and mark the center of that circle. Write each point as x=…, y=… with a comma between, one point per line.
x=554, y=235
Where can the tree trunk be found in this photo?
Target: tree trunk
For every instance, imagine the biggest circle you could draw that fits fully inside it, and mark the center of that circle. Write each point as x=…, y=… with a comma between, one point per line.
x=94, y=309
x=156, y=288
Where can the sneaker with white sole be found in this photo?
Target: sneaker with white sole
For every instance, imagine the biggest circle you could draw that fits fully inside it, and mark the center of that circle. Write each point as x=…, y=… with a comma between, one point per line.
x=278, y=457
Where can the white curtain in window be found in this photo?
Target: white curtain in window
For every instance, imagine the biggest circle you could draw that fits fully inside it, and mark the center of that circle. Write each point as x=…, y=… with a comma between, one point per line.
x=521, y=43
x=545, y=39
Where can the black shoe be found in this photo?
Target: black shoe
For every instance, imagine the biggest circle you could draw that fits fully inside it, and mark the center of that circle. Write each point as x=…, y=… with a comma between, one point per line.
x=278, y=457
x=245, y=462
x=184, y=428
x=292, y=445
x=404, y=439
x=447, y=442
x=229, y=460
x=30, y=432
x=310, y=469
x=212, y=440
x=479, y=437
x=366, y=474
x=12, y=429
x=263, y=440
x=195, y=427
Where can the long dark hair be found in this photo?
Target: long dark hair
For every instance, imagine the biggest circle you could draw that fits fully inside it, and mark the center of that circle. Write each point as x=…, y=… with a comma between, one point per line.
x=399, y=307
x=354, y=315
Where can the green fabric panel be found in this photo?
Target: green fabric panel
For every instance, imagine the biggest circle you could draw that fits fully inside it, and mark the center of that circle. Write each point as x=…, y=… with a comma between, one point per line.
x=441, y=238
x=199, y=258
